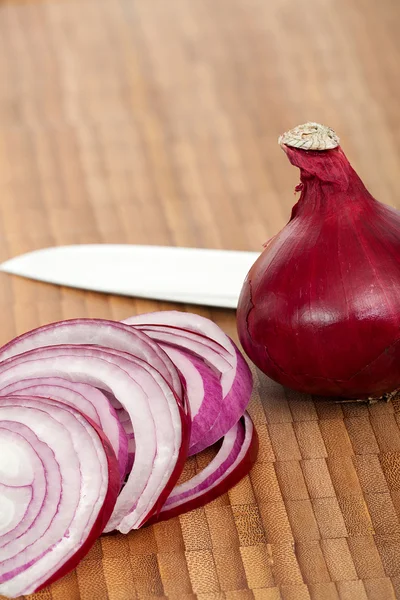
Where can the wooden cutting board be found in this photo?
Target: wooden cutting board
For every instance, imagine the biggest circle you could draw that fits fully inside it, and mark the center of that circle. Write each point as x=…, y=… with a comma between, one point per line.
x=156, y=122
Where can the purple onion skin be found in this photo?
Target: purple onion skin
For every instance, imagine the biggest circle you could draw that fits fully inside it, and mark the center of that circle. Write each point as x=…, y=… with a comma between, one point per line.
x=319, y=311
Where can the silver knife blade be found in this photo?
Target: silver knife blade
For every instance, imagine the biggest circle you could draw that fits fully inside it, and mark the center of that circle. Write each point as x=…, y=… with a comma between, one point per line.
x=189, y=275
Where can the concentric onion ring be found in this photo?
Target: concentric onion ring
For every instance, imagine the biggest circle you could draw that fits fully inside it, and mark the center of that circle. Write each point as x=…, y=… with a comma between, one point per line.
x=61, y=468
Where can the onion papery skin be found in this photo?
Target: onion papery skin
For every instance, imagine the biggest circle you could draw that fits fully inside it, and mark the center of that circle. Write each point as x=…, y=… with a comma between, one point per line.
x=319, y=310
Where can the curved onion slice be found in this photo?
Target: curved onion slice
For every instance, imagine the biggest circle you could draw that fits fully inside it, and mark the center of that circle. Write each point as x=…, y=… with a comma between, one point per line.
x=204, y=393
x=158, y=422
x=233, y=461
x=212, y=353
x=90, y=401
x=50, y=452
x=126, y=424
x=188, y=322
x=192, y=333
x=102, y=332
x=178, y=417
x=235, y=401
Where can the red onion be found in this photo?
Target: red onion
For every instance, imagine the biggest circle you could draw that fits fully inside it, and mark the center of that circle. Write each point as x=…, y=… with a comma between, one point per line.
x=59, y=481
x=233, y=461
x=320, y=309
x=213, y=354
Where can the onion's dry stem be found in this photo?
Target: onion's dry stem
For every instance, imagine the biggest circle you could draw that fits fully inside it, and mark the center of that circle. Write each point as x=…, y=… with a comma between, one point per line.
x=310, y=136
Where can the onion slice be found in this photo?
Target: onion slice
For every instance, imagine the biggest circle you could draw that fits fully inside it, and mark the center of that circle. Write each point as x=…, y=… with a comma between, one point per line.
x=96, y=421
x=199, y=345
x=102, y=332
x=50, y=450
x=233, y=461
x=160, y=427
x=197, y=335
x=204, y=392
x=90, y=401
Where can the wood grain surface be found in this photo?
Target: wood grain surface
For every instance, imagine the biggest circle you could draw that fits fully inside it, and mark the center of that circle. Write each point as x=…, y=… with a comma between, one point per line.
x=156, y=122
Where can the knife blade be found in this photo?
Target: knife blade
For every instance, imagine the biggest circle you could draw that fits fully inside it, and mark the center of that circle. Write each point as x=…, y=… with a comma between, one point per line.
x=190, y=275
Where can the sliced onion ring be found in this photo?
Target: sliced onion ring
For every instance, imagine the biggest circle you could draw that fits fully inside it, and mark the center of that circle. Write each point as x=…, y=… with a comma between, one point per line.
x=138, y=381
x=74, y=511
x=233, y=461
x=158, y=459
x=190, y=333
x=102, y=332
x=90, y=401
x=215, y=356
x=204, y=392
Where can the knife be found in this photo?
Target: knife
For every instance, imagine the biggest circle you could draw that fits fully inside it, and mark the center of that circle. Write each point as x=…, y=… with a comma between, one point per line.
x=189, y=275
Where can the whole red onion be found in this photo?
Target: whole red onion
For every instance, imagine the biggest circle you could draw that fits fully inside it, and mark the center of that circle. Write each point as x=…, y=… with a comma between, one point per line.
x=320, y=309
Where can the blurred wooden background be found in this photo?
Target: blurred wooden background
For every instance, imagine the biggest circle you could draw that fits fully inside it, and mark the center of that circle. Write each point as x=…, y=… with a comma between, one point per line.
x=156, y=122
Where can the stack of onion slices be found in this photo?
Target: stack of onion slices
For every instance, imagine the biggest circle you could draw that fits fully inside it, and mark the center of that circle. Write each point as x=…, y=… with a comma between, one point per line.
x=97, y=418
